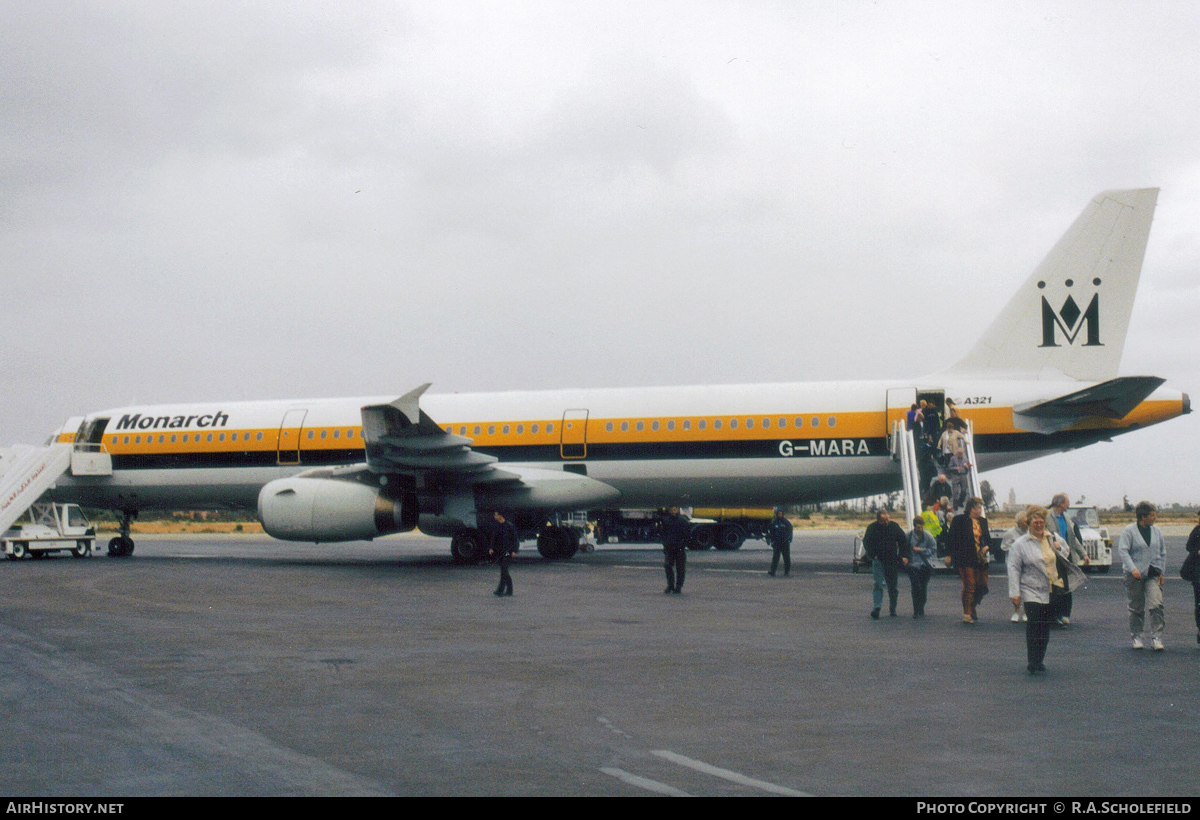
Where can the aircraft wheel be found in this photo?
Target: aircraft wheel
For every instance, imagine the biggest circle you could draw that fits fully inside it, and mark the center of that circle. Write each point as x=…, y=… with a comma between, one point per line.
x=731, y=537
x=19, y=550
x=550, y=544
x=557, y=543
x=467, y=547
x=120, y=547
x=568, y=543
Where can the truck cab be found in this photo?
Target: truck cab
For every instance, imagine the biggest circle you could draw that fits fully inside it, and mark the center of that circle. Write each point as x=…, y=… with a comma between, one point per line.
x=48, y=527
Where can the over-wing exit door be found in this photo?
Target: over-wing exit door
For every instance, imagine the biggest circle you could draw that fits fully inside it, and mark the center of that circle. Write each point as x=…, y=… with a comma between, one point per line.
x=289, y=436
x=573, y=443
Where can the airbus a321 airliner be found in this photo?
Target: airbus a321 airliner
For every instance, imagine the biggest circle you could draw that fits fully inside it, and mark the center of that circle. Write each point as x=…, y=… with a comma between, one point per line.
x=1042, y=379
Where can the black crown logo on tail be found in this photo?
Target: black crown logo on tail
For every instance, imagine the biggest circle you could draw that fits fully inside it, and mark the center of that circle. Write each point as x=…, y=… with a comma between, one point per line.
x=1071, y=320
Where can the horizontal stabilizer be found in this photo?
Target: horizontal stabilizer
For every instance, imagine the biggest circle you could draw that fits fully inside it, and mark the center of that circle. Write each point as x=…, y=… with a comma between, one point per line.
x=1113, y=399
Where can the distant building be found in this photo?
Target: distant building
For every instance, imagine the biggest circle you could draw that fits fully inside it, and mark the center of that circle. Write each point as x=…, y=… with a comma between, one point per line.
x=1012, y=506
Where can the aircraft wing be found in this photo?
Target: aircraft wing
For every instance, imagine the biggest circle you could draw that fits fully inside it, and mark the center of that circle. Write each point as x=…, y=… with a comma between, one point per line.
x=402, y=439
x=1113, y=399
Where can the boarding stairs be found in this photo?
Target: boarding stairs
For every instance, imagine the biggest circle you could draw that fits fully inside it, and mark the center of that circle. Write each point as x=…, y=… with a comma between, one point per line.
x=904, y=450
x=27, y=472
x=973, y=484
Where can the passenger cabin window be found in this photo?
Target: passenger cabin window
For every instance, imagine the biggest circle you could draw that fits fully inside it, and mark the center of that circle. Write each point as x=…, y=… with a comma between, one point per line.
x=832, y=421
x=549, y=428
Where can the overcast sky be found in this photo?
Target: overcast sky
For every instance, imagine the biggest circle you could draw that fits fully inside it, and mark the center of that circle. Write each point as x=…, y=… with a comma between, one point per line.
x=240, y=200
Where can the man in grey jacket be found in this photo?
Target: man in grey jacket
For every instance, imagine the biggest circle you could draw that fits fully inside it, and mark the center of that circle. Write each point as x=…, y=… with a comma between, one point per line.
x=1144, y=559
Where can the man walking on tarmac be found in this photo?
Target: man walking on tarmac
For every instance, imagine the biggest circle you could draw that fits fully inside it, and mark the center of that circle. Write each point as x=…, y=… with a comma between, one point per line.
x=779, y=536
x=887, y=546
x=1144, y=559
x=676, y=532
x=504, y=544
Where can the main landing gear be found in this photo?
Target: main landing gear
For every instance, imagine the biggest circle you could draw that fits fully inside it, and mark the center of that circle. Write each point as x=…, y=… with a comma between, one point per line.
x=554, y=543
x=122, y=545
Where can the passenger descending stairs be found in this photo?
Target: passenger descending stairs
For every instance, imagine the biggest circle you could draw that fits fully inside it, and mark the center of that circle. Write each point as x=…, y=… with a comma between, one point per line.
x=904, y=450
x=25, y=473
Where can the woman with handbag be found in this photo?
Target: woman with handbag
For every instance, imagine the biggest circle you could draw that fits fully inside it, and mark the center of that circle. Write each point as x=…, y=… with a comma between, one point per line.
x=1038, y=570
x=969, y=543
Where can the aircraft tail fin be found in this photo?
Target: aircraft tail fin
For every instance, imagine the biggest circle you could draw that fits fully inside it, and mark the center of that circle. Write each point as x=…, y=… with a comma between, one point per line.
x=1070, y=317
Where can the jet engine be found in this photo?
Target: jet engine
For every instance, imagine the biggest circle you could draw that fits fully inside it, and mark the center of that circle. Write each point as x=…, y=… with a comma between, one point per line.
x=323, y=509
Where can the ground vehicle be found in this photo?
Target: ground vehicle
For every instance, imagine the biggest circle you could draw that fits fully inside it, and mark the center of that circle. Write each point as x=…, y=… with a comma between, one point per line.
x=720, y=527
x=50, y=528
x=1095, y=538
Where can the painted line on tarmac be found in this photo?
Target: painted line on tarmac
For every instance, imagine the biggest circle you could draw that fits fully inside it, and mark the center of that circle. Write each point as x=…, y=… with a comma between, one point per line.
x=726, y=774
x=643, y=782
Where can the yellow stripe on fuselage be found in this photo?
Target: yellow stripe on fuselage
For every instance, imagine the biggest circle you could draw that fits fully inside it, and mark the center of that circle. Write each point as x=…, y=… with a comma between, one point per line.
x=827, y=425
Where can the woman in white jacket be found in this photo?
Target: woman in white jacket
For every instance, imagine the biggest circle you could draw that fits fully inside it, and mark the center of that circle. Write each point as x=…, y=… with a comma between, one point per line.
x=1037, y=565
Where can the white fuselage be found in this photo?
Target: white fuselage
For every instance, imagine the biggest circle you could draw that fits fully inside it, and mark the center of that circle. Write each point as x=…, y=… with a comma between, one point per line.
x=730, y=445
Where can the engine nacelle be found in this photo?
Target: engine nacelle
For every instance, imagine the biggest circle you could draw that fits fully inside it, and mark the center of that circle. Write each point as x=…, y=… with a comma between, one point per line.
x=322, y=510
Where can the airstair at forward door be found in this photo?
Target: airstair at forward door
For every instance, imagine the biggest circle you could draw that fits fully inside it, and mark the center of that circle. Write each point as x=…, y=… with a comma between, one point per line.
x=25, y=473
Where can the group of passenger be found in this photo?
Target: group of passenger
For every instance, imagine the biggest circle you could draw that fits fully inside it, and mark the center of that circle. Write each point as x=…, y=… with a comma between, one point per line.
x=941, y=450
x=1044, y=560
x=1044, y=556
